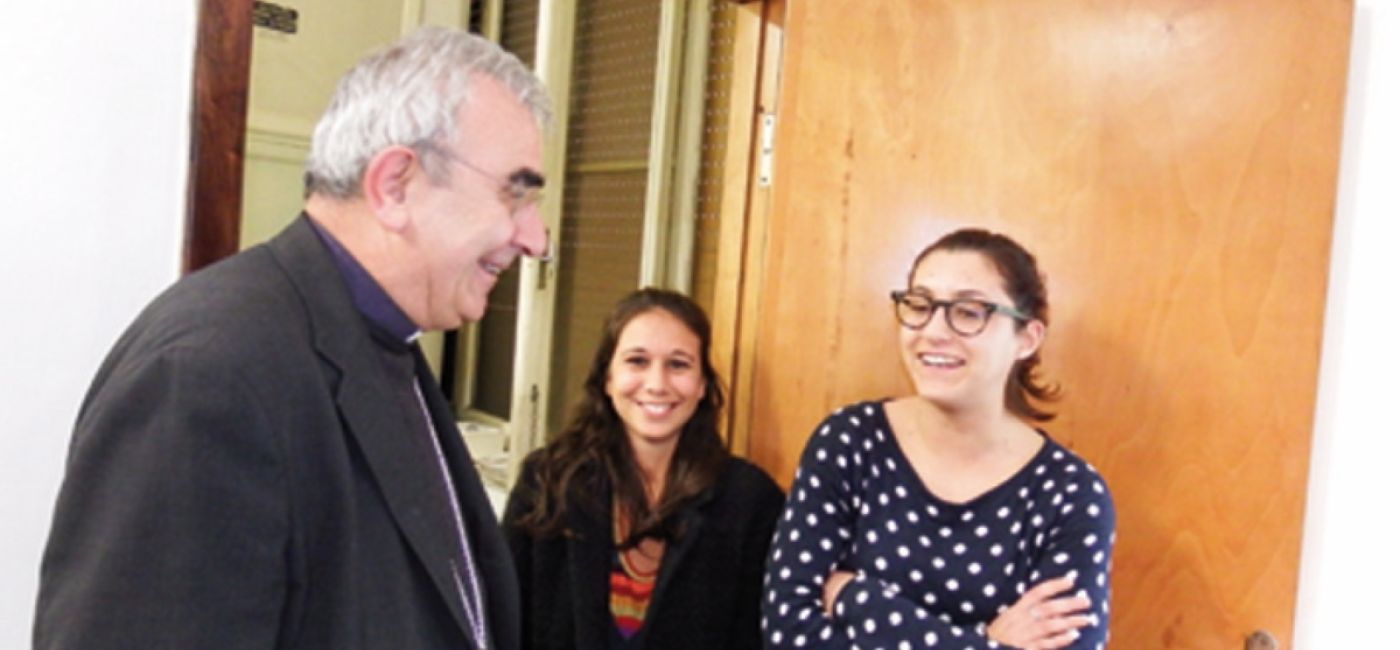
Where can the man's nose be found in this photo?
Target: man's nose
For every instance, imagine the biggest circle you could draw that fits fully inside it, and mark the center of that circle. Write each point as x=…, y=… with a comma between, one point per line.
x=531, y=235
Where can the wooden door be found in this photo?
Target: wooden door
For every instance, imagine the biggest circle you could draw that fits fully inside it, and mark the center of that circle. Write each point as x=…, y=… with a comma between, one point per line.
x=1173, y=165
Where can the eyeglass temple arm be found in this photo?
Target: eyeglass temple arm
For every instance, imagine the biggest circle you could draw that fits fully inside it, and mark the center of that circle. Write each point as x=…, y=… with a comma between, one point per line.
x=1010, y=311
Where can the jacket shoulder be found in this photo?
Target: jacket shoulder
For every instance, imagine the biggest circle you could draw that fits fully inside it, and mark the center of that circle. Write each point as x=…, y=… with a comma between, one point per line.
x=744, y=480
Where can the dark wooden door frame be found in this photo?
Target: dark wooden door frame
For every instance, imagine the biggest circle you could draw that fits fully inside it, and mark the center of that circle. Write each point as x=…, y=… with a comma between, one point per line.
x=218, y=120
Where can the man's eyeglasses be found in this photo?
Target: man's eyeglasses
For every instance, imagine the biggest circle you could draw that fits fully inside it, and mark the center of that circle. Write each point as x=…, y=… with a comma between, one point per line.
x=965, y=316
x=520, y=191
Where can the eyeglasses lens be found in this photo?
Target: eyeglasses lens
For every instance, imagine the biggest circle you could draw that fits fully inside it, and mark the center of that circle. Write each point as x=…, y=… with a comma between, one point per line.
x=966, y=317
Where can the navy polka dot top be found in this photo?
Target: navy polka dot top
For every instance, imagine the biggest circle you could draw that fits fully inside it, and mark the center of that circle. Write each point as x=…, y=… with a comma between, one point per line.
x=929, y=574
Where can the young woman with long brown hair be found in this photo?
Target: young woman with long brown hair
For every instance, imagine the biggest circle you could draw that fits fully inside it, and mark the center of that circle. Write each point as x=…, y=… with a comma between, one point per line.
x=635, y=527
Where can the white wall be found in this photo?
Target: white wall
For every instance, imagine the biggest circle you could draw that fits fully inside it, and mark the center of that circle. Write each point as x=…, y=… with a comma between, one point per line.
x=95, y=132
x=1351, y=566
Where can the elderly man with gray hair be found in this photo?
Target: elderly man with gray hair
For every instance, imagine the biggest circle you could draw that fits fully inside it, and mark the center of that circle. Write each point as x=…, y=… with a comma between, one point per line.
x=263, y=460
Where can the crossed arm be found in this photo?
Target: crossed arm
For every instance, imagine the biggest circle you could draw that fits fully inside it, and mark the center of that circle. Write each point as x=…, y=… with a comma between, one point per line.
x=817, y=598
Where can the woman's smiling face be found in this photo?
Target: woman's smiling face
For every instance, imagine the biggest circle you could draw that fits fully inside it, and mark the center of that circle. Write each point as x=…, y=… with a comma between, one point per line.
x=958, y=371
x=655, y=379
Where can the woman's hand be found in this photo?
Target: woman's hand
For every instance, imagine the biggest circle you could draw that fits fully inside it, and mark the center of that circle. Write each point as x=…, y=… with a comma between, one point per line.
x=1043, y=619
x=834, y=583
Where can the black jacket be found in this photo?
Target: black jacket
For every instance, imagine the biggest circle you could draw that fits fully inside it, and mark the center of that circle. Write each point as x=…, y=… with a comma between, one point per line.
x=240, y=477
x=707, y=592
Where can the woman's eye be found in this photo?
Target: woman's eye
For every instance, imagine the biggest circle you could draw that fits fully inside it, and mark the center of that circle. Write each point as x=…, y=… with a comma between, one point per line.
x=635, y=361
x=680, y=364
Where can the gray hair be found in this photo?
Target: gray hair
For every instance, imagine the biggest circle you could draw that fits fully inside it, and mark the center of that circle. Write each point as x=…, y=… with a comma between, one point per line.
x=408, y=94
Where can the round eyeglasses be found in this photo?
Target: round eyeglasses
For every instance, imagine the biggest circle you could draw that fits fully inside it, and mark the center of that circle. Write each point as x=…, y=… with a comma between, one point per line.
x=965, y=316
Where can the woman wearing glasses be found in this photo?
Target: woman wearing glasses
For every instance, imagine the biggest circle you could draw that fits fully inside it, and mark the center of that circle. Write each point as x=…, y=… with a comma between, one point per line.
x=635, y=528
x=945, y=519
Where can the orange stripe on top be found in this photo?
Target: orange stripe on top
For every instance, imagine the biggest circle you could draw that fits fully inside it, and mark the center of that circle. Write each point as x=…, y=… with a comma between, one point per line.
x=632, y=579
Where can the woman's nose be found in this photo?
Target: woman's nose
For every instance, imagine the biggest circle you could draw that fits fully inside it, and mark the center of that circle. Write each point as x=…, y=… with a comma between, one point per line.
x=937, y=325
x=655, y=379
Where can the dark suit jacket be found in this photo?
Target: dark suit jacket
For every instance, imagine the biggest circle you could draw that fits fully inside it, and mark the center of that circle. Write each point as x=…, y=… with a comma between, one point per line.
x=239, y=477
x=707, y=592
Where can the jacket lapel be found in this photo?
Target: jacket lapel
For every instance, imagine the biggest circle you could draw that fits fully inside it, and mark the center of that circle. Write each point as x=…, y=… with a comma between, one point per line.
x=677, y=551
x=495, y=568
x=692, y=527
x=416, y=498
x=590, y=549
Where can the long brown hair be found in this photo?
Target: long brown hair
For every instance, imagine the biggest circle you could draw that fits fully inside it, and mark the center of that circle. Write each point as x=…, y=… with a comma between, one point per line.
x=592, y=453
x=1022, y=280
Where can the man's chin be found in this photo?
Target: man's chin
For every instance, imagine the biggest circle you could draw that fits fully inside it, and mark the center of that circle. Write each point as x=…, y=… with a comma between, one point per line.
x=470, y=312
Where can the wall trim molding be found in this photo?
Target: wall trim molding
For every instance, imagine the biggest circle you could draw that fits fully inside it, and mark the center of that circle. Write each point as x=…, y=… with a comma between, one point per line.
x=278, y=138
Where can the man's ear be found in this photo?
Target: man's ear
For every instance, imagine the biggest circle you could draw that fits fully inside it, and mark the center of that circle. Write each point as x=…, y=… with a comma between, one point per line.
x=385, y=185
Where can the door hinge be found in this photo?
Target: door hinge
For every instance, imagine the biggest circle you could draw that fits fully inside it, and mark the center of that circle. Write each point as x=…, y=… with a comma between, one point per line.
x=765, y=150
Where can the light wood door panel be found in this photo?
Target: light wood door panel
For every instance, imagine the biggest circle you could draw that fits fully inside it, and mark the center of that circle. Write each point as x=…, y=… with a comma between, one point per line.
x=1172, y=164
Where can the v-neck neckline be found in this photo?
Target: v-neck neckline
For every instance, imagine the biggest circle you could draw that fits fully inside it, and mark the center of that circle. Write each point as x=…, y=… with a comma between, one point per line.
x=906, y=467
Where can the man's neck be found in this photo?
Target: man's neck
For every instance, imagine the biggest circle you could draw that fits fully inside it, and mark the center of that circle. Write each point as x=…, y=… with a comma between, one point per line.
x=352, y=232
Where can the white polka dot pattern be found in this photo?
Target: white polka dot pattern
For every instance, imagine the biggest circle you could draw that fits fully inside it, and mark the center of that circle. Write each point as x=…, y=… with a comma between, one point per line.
x=929, y=574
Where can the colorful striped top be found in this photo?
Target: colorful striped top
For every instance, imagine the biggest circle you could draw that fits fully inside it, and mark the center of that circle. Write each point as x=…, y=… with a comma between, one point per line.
x=631, y=582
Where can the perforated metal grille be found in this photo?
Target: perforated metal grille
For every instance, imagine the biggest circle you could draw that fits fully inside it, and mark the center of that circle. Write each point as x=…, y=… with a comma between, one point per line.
x=718, y=77
x=520, y=20
x=613, y=78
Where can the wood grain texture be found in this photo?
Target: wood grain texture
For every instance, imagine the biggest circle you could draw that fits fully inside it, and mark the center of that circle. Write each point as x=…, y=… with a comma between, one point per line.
x=223, y=51
x=601, y=234
x=1172, y=163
